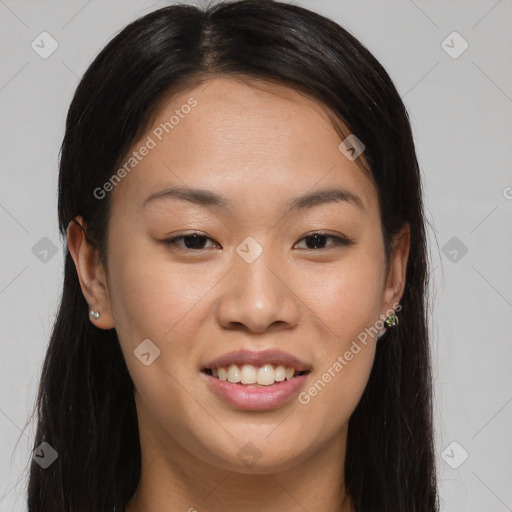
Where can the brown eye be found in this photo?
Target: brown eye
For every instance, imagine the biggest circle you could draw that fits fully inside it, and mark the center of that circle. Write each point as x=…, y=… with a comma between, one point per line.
x=193, y=241
x=317, y=240
x=196, y=241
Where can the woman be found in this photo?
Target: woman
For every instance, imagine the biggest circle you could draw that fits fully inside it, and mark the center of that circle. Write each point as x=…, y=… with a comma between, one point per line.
x=283, y=362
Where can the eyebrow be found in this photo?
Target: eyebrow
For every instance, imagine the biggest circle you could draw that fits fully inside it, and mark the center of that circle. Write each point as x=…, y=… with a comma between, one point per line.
x=209, y=199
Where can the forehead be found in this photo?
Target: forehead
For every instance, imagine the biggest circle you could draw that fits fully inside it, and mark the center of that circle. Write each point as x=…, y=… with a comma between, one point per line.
x=259, y=139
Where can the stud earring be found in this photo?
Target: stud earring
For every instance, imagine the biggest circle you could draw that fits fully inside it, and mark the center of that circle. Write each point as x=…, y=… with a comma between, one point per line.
x=94, y=314
x=391, y=321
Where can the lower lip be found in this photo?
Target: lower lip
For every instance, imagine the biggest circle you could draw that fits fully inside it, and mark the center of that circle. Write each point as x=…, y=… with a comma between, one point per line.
x=248, y=398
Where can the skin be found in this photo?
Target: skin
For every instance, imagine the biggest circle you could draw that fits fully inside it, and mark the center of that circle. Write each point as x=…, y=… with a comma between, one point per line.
x=258, y=146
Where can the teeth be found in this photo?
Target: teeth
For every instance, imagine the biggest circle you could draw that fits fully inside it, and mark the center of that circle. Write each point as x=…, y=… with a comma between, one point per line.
x=280, y=373
x=265, y=375
x=248, y=374
x=234, y=374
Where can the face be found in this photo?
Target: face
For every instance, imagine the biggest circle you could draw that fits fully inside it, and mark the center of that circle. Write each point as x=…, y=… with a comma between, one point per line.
x=254, y=278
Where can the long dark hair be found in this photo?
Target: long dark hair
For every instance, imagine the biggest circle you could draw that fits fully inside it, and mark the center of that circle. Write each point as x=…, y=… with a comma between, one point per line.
x=85, y=405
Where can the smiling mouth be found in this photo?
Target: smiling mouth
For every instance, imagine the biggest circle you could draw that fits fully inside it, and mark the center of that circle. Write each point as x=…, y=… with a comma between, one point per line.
x=249, y=375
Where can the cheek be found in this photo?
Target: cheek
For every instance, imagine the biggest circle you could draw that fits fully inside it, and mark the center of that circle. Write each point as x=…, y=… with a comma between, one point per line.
x=160, y=302
x=348, y=296
x=335, y=389
x=345, y=356
x=349, y=305
x=153, y=296
x=165, y=304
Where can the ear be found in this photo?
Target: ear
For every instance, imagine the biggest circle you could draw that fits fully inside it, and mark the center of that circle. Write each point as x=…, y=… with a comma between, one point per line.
x=396, y=279
x=91, y=274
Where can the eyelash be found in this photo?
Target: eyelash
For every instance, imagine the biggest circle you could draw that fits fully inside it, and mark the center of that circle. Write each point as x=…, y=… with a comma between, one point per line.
x=338, y=240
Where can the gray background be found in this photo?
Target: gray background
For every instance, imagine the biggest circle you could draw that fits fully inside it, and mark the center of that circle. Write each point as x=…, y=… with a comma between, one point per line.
x=460, y=109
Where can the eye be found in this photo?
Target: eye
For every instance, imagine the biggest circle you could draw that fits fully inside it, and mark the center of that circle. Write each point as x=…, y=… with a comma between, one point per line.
x=318, y=239
x=193, y=241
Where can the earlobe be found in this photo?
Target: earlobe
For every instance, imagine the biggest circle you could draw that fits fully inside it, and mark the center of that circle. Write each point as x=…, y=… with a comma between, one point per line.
x=90, y=274
x=395, y=279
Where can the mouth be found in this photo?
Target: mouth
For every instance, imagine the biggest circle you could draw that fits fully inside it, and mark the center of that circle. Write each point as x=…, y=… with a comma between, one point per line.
x=249, y=375
x=251, y=387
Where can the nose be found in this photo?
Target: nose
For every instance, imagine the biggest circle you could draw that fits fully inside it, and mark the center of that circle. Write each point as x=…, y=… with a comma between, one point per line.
x=258, y=296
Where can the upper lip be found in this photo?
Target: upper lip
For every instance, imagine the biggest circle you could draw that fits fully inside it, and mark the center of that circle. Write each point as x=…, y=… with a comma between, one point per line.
x=271, y=356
